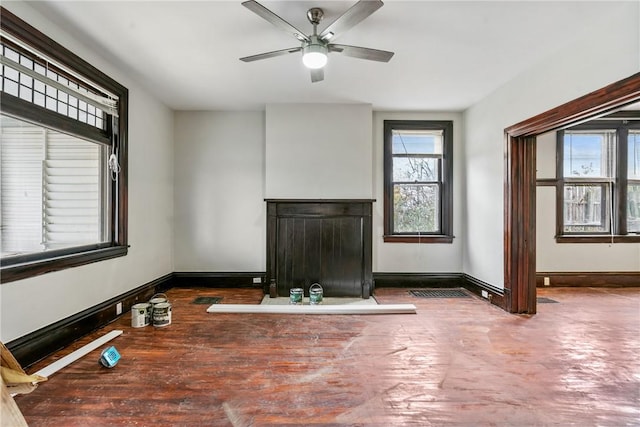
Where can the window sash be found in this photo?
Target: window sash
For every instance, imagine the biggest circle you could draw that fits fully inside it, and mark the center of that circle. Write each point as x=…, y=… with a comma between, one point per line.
x=439, y=178
x=427, y=217
x=589, y=211
x=618, y=197
x=55, y=193
x=633, y=206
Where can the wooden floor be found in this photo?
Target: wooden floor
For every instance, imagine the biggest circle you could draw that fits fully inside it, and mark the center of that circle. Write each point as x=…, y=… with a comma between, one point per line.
x=458, y=362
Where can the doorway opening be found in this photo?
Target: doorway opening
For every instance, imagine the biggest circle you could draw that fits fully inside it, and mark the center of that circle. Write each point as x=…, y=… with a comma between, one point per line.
x=520, y=184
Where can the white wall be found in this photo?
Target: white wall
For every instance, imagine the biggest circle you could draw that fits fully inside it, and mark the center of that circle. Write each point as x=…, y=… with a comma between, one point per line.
x=30, y=304
x=413, y=257
x=219, y=191
x=571, y=257
x=609, y=53
x=222, y=168
x=318, y=151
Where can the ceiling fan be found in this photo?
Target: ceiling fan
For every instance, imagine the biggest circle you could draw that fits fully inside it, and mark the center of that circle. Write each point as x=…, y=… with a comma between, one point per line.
x=315, y=47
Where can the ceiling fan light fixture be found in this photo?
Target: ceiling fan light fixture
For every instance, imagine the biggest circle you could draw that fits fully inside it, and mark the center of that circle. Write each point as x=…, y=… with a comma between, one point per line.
x=314, y=56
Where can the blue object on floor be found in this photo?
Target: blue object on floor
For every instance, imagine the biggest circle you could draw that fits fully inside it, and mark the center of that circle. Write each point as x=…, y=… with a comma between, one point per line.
x=109, y=357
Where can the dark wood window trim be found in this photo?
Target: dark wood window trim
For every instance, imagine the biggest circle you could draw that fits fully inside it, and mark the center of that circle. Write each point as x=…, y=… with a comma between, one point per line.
x=619, y=122
x=446, y=212
x=17, y=268
x=520, y=180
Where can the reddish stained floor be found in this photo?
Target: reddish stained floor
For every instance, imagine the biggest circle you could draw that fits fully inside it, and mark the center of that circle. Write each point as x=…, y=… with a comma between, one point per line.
x=460, y=362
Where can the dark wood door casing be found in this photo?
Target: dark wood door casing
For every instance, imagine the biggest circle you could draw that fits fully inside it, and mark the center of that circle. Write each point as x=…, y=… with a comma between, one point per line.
x=519, y=188
x=320, y=241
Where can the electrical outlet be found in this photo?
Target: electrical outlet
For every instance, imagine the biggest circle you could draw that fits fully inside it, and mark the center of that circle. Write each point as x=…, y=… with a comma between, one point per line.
x=547, y=281
x=257, y=280
x=118, y=309
x=485, y=294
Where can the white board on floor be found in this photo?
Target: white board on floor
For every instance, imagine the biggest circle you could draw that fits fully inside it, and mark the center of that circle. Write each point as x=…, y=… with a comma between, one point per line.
x=313, y=309
x=82, y=351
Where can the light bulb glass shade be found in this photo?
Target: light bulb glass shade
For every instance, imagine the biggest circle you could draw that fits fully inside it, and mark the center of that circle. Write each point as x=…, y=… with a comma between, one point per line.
x=314, y=56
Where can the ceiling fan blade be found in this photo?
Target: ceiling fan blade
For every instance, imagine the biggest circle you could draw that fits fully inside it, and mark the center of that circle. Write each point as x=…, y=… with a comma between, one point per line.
x=317, y=75
x=350, y=18
x=270, y=54
x=362, y=52
x=265, y=13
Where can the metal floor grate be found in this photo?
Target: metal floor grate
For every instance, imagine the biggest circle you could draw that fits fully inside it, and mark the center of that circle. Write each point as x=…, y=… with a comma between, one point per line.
x=207, y=300
x=439, y=293
x=545, y=300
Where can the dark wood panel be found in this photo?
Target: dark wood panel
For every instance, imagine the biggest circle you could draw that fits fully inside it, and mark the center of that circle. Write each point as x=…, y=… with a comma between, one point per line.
x=320, y=209
x=326, y=242
x=328, y=251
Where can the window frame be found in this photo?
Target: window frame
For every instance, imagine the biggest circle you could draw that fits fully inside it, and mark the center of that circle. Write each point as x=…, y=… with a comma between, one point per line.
x=446, y=182
x=30, y=265
x=619, y=232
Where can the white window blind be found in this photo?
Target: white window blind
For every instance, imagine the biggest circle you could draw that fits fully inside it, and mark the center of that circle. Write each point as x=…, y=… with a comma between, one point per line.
x=31, y=69
x=53, y=189
x=71, y=192
x=22, y=154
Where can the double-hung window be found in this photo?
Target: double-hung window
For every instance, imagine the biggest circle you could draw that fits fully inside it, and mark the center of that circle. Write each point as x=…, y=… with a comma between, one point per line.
x=418, y=178
x=63, y=134
x=599, y=185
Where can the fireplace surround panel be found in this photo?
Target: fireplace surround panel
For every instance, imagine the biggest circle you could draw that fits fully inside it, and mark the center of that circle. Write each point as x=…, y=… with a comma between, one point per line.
x=320, y=241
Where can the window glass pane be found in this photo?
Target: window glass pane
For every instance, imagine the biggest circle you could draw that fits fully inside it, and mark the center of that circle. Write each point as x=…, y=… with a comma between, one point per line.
x=10, y=87
x=415, y=169
x=417, y=142
x=416, y=208
x=633, y=169
x=53, y=190
x=587, y=208
x=633, y=207
x=589, y=154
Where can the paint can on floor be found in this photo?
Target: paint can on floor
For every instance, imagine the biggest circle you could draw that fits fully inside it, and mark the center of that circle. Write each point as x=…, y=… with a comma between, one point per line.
x=295, y=296
x=315, y=294
x=141, y=315
x=156, y=299
x=162, y=314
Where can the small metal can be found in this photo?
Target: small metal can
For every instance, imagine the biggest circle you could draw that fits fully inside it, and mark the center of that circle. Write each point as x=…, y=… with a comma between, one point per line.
x=315, y=294
x=141, y=315
x=162, y=314
x=156, y=299
x=295, y=296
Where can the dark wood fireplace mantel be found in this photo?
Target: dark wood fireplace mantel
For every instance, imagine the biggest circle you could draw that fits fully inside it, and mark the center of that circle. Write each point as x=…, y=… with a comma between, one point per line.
x=326, y=241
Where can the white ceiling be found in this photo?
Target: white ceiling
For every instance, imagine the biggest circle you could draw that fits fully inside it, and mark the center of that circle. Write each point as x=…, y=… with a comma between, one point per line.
x=448, y=54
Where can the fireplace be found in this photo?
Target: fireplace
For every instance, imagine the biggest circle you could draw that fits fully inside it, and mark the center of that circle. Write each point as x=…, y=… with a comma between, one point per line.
x=320, y=241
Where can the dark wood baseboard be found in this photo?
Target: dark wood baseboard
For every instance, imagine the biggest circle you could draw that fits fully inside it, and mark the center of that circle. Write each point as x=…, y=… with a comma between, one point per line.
x=218, y=280
x=35, y=346
x=589, y=279
x=418, y=280
x=494, y=295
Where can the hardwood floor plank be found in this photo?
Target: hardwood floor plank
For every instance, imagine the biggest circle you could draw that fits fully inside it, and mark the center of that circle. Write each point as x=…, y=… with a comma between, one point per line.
x=458, y=361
